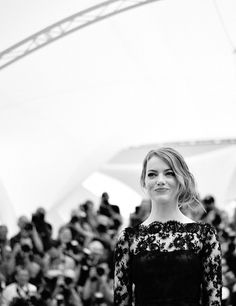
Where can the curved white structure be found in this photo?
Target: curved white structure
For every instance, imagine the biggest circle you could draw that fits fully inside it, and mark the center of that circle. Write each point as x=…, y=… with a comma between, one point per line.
x=66, y=26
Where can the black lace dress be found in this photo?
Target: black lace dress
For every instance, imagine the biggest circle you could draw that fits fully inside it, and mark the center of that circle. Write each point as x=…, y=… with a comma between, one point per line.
x=168, y=263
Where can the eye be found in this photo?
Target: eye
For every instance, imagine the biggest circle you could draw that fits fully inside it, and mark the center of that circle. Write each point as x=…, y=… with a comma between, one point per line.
x=170, y=173
x=151, y=174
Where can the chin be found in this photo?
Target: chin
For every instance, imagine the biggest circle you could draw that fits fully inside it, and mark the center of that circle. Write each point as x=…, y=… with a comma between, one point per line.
x=161, y=199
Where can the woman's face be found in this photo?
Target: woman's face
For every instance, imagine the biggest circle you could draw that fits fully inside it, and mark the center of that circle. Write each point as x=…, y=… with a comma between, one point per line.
x=160, y=181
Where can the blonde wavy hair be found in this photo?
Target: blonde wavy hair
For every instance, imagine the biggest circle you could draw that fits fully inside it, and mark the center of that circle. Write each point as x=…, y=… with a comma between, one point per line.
x=187, y=191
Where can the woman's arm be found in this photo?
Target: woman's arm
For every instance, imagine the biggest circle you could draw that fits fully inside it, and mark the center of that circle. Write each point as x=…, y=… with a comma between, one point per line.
x=212, y=274
x=122, y=274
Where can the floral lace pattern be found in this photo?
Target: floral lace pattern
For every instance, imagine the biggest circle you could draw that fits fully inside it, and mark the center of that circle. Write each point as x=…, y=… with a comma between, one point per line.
x=199, y=238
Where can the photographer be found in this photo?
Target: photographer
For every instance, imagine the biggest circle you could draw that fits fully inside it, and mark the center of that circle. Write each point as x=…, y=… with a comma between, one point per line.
x=97, y=282
x=43, y=228
x=98, y=288
x=65, y=292
x=88, y=208
x=212, y=213
x=24, y=254
x=80, y=226
x=74, y=250
x=140, y=214
x=6, y=263
x=21, y=288
x=57, y=259
x=110, y=210
x=28, y=230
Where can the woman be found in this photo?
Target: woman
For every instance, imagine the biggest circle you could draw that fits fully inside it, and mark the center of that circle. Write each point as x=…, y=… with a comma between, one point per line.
x=168, y=259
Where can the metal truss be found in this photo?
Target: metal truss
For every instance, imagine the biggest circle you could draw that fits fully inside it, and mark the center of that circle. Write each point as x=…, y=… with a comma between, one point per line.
x=66, y=26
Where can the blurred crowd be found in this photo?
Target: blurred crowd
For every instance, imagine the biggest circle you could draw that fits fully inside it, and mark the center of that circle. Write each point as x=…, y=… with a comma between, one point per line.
x=76, y=268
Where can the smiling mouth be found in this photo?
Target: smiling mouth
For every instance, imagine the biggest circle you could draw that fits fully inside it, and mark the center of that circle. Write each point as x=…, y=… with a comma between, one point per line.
x=161, y=189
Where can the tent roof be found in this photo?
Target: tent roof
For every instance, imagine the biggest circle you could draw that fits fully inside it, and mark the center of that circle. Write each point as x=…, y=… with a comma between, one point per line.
x=186, y=148
x=163, y=72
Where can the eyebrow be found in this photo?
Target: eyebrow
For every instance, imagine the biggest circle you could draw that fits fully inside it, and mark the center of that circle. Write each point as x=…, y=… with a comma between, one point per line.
x=153, y=170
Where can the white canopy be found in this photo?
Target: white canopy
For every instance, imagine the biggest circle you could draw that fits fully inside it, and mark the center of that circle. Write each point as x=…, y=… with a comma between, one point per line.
x=161, y=72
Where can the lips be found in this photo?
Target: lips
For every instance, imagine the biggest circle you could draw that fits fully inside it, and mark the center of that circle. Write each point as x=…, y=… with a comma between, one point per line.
x=161, y=189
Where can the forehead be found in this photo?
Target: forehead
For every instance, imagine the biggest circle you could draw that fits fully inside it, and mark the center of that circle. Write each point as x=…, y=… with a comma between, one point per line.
x=157, y=163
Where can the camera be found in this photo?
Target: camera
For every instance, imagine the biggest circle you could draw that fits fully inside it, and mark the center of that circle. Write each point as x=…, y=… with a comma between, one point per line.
x=85, y=207
x=28, y=226
x=60, y=299
x=25, y=248
x=73, y=246
x=64, y=292
x=68, y=281
x=86, y=264
x=29, y=301
x=84, y=273
x=19, y=302
x=102, y=228
x=100, y=271
x=99, y=298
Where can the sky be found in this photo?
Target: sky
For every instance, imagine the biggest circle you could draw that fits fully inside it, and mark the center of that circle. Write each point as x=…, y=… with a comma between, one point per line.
x=165, y=71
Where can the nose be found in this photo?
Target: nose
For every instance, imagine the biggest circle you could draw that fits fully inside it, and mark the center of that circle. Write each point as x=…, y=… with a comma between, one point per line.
x=160, y=179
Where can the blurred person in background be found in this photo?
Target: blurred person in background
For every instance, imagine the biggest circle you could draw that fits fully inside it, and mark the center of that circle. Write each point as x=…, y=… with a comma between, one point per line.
x=3, y=237
x=98, y=286
x=229, y=281
x=43, y=228
x=65, y=290
x=90, y=214
x=233, y=221
x=141, y=213
x=21, y=288
x=103, y=231
x=27, y=230
x=23, y=255
x=169, y=259
x=59, y=285
x=110, y=210
x=230, y=253
x=6, y=260
x=80, y=226
x=56, y=259
x=212, y=214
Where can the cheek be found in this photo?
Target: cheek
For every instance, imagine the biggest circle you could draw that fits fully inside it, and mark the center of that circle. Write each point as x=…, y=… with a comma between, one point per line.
x=176, y=186
x=149, y=184
x=175, y=183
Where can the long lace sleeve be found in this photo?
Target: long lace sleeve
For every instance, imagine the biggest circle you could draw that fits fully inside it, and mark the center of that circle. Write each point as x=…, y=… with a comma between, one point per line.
x=212, y=274
x=122, y=275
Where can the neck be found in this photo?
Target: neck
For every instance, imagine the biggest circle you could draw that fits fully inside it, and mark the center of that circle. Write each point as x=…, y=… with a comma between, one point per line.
x=164, y=212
